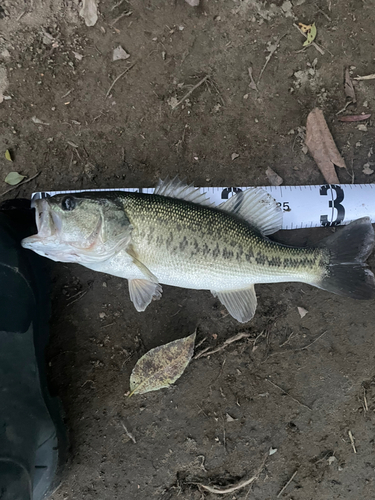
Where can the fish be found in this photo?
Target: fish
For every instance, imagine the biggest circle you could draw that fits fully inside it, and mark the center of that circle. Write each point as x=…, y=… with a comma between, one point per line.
x=177, y=237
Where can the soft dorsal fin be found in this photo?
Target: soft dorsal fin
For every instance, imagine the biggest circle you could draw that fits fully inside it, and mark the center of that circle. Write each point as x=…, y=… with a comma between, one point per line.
x=179, y=189
x=257, y=207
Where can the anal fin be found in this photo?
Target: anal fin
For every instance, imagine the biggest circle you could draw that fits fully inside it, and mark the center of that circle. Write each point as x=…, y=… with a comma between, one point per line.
x=241, y=304
x=142, y=292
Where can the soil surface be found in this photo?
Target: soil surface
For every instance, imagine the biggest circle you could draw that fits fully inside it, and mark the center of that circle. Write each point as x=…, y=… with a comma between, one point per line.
x=298, y=387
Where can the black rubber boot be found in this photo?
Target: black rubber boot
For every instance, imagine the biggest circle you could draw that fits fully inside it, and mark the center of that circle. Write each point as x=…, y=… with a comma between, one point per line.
x=32, y=437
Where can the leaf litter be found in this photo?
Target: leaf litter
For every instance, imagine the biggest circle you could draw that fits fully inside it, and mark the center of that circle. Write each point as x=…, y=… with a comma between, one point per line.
x=322, y=146
x=162, y=366
x=14, y=178
x=355, y=118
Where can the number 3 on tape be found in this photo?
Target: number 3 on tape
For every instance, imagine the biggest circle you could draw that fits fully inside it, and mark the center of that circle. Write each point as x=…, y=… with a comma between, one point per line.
x=334, y=203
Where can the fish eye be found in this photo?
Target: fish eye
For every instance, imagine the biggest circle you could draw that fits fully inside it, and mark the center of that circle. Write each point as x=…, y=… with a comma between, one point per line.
x=68, y=203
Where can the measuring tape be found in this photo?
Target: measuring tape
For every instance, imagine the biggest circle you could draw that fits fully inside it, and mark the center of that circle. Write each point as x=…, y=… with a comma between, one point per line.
x=303, y=206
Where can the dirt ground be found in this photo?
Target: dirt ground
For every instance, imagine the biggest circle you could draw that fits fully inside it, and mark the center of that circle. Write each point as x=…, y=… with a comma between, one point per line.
x=220, y=420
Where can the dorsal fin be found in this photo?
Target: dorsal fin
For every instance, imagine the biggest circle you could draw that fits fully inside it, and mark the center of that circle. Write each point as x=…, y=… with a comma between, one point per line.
x=257, y=207
x=179, y=189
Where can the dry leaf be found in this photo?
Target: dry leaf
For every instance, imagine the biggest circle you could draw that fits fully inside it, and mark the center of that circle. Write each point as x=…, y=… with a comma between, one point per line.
x=302, y=312
x=367, y=170
x=161, y=366
x=322, y=146
x=14, y=178
x=354, y=118
x=348, y=86
x=304, y=27
x=311, y=35
x=119, y=53
x=273, y=177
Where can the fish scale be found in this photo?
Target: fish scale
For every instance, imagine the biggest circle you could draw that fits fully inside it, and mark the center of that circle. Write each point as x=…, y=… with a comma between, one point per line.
x=204, y=248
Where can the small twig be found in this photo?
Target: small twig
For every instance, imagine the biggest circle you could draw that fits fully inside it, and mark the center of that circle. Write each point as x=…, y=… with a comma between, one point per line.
x=252, y=83
x=191, y=91
x=324, y=14
x=311, y=343
x=109, y=324
x=287, y=393
x=201, y=342
x=207, y=352
x=62, y=97
x=287, y=484
x=116, y=5
x=82, y=294
x=268, y=58
x=128, y=433
x=318, y=47
x=365, y=399
x=224, y=436
x=351, y=437
x=120, y=76
x=124, y=14
x=230, y=489
x=287, y=340
x=20, y=184
x=344, y=108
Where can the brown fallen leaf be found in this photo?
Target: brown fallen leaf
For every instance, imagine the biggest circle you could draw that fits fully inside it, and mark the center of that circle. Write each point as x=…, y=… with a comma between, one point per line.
x=348, y=86
x=161, y=366
x=354, y=118
x=322, y=146
x=273, y=177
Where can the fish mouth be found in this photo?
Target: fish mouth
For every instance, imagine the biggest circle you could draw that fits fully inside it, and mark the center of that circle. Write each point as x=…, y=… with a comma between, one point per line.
x=48, y=225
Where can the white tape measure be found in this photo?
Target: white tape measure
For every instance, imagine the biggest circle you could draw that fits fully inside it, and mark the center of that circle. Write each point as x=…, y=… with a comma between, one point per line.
x=303, y=206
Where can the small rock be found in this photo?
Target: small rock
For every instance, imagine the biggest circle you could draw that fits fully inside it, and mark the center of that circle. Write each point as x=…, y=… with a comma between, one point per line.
x=367, y=170
x=273, y=177
x=192, y=3
x=234, y=156
x=102, y=315
x=78, y=56
x=119, y=53
x=89, y=12
x=362, y=127
x=302, y=312
x=5, y=54
x=272, y=451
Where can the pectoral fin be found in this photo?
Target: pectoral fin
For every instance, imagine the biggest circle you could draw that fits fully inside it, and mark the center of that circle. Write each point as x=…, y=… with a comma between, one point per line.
x=241, y=304
x=142, y=292
x=144, y=269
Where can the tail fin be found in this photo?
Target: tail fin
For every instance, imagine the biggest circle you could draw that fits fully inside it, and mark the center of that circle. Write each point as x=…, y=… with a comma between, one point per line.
x=347, y=274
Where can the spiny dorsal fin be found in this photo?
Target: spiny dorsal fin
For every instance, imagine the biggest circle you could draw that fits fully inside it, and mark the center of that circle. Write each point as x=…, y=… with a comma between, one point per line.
x=179, y=189
x=257, y=207
x=241, y=304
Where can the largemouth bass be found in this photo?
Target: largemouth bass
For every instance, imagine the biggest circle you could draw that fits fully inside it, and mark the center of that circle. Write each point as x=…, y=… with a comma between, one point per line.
x=175, y=237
